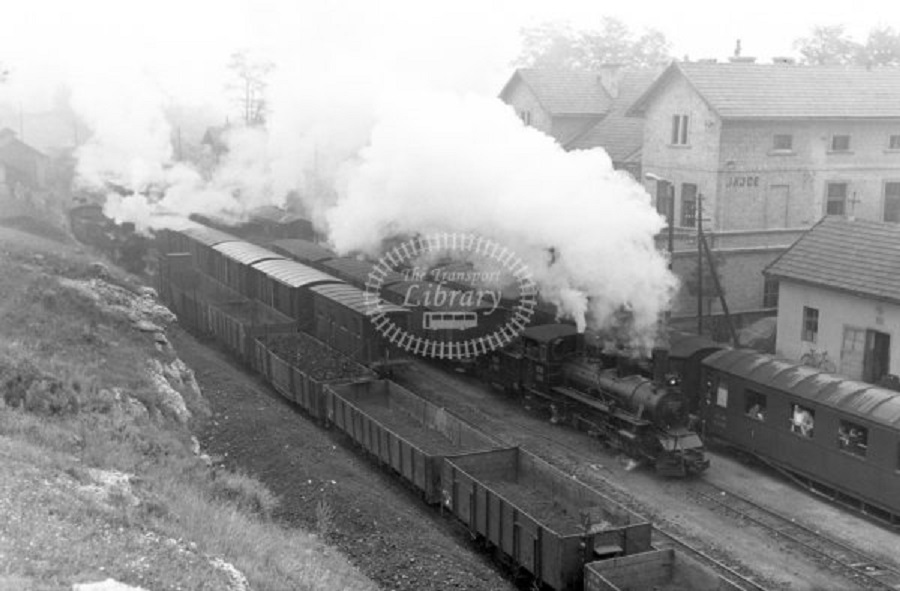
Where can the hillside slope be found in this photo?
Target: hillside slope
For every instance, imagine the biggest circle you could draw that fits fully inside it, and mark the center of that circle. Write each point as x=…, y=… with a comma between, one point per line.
x=99, y=475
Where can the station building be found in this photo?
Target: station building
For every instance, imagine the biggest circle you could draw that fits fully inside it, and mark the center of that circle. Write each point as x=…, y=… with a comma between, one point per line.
x=767, y=150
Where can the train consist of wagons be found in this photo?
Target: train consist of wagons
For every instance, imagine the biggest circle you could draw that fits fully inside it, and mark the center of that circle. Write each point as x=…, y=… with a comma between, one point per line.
x=852, y=454
x=305, y=332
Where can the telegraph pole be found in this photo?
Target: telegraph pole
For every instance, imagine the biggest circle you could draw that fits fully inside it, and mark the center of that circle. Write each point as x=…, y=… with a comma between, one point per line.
x=699, y=263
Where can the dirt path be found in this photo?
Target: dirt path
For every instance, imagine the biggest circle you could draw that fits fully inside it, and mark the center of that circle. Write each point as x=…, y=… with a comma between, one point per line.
x=664, y=501
x=383, y=527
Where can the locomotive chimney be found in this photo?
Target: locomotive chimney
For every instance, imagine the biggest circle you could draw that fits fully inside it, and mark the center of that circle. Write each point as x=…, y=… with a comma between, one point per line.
x=660, y=364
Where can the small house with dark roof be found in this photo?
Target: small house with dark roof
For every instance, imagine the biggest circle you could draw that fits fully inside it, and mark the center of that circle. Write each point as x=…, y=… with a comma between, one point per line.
x=768, y=150
x=583, y=109
x=20, y=164
x=839, y=297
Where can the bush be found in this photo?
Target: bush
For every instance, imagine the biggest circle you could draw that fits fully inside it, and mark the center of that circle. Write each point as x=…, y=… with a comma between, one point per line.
x=244, y=492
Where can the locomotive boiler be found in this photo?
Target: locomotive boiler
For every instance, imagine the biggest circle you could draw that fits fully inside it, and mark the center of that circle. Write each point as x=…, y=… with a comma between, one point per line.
x=658, y=401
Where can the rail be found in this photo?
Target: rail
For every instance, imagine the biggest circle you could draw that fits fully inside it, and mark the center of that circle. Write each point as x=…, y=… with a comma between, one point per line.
x=842, y=557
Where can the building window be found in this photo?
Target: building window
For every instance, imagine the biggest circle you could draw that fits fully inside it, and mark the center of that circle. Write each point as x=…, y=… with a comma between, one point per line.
x=688, y=205
x=783, y=142
x=810, y=325
x=894, y=142
x=853, y=438
x=803, y=420
x=892, y=201
x=840, y=143
x=755, y=405
x=770, y=292
x=836, y=199
x=679, y=130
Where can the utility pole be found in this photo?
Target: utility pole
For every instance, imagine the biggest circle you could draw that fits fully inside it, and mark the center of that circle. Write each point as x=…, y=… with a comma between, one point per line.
x=670, y=218
x=699, y=263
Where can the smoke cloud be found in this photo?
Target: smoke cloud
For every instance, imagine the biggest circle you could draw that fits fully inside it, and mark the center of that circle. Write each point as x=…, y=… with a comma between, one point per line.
x=445, y=163
x=376, y=141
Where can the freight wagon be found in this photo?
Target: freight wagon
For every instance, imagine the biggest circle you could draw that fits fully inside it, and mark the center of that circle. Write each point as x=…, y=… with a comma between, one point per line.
x=403, y=431
x=304, y=251
x=659, y=570
x=299, y=367
x=539, y=517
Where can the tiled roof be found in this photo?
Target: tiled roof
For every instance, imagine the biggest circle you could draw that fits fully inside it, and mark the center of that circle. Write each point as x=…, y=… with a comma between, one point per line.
x=774, y=91
x=621, y=136
x=857, y=256
x=564, y=92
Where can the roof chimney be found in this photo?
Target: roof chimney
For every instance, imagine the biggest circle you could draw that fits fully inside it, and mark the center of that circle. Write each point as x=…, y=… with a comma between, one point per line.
x=737, y=58
x=610, y=76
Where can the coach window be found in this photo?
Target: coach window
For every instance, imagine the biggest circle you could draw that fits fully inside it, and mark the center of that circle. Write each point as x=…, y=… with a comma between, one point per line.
x=853, y=438
x=755, y=405
x=803, y=420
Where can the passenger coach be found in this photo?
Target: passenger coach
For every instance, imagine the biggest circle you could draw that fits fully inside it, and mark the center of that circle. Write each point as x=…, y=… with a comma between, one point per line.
x=839, y=436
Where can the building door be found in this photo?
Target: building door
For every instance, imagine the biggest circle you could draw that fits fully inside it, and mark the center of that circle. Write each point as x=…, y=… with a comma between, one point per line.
x=853, y=350
x=877, y=359
x=777, y=207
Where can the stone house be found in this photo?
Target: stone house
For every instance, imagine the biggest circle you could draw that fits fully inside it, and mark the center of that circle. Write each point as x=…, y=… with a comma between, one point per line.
x=839, y=297
x=584, y=110
x=767, y=150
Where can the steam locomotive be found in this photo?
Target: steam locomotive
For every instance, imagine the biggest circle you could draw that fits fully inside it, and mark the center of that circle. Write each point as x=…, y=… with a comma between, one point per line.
x=647, y=417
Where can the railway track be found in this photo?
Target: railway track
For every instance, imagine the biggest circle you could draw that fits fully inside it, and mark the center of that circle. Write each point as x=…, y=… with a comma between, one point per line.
x=838, y=555
x=509, y=430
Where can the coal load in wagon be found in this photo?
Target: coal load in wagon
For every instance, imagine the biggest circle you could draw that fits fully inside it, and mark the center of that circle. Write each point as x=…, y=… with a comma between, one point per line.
x=404, y=431
x=299, y=365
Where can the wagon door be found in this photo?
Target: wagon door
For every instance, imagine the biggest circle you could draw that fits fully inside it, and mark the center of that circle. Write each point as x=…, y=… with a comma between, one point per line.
x=715, y=403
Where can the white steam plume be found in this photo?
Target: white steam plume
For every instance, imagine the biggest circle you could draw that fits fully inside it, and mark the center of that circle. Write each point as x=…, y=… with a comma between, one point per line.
x=442, y=163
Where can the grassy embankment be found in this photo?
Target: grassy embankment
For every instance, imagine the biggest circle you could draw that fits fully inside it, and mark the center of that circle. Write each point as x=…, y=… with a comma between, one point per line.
x=98, y=477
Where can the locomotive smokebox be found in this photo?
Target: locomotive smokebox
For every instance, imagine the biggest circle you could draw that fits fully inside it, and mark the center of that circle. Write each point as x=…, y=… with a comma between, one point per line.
x=660, y=364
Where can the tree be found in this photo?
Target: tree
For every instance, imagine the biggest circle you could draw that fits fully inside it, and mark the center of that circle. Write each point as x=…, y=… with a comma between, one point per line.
x=252, y=79
x=883, y=47
x=558, y=45
x=831, y=45
x=828, y=45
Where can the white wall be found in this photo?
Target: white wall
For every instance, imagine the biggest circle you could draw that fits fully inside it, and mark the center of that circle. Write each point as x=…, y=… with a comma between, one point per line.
x=837, y=310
